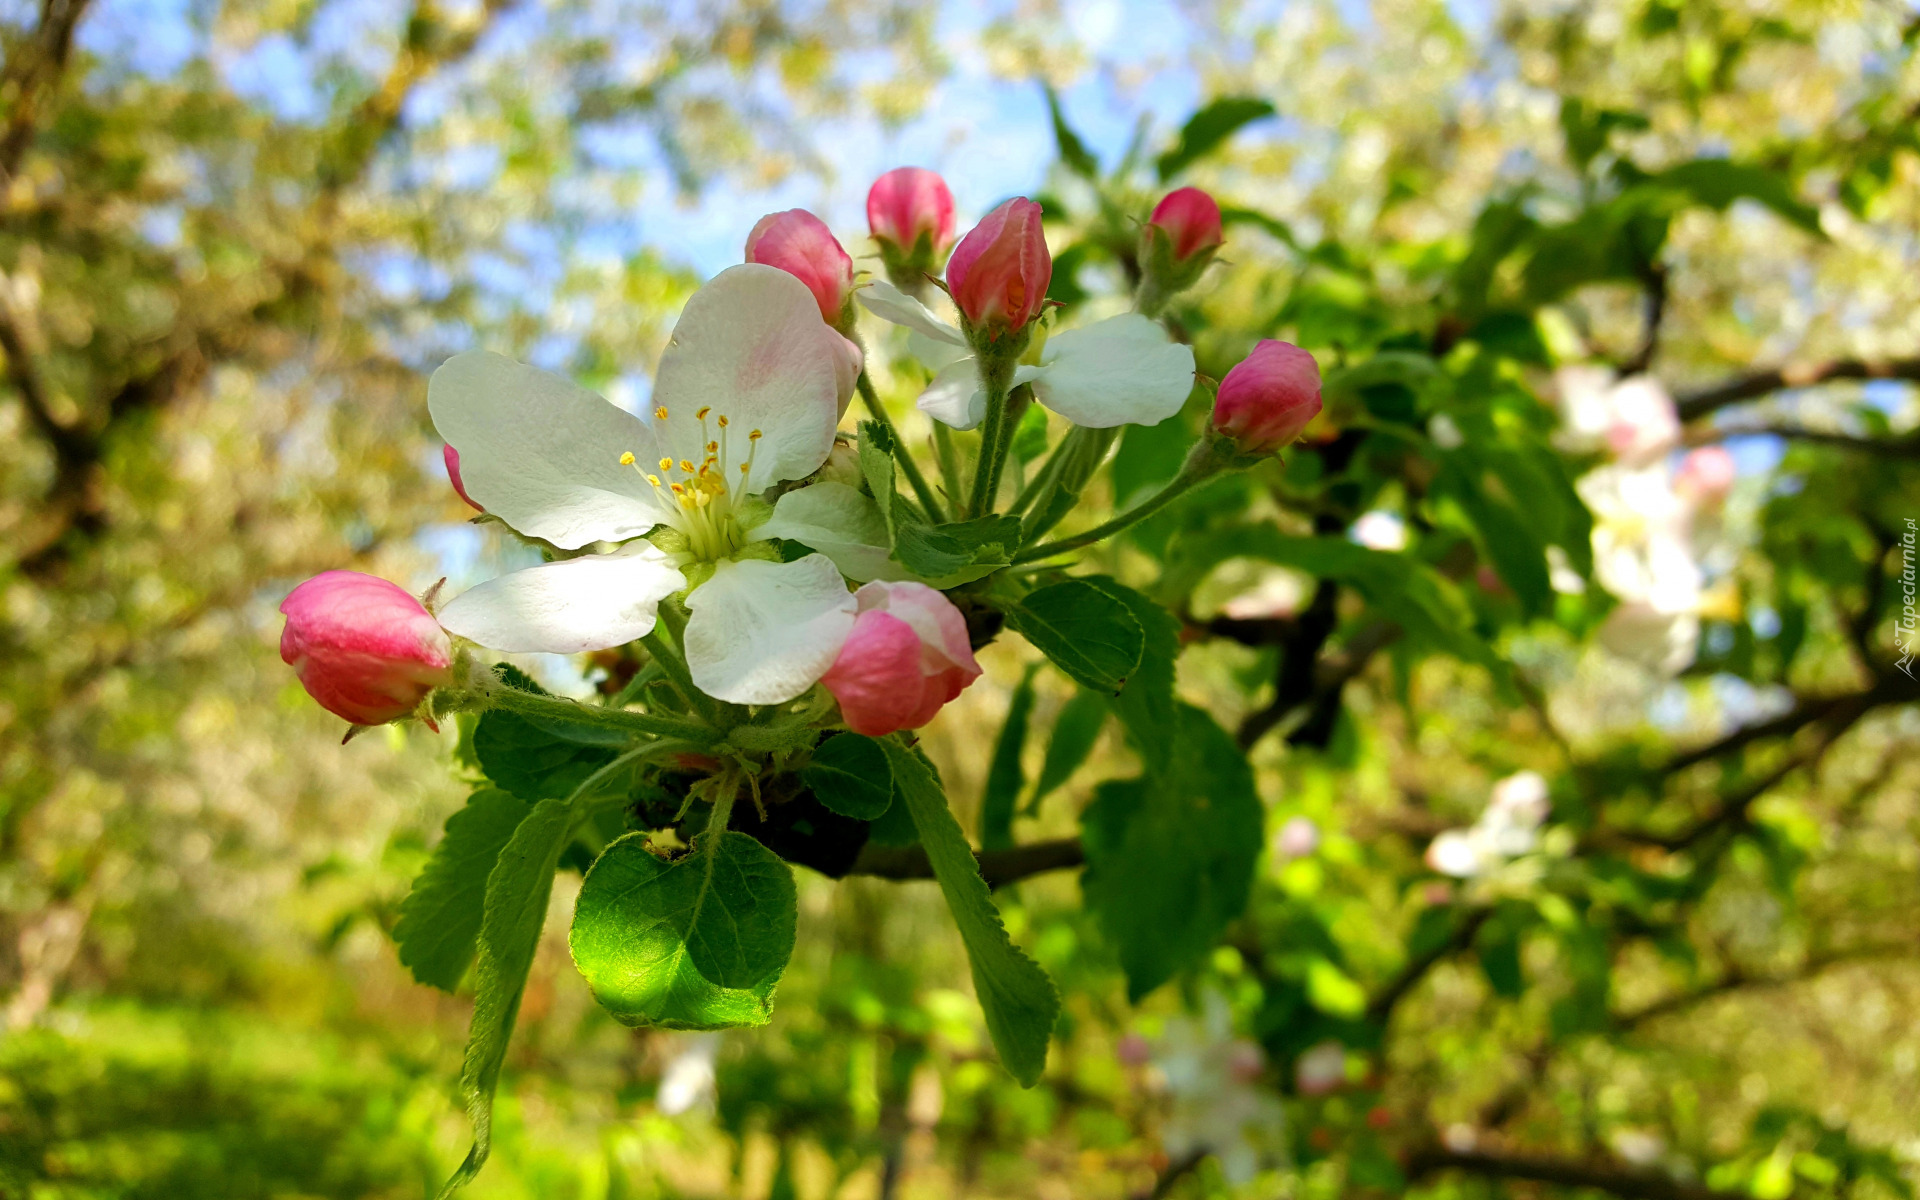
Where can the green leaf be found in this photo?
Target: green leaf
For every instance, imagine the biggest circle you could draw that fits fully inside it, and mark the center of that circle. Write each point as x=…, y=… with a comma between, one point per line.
x=544, y=761
x=1084, y=631
x=1016, y=996
x=849, y=774
x=1718, y=182
x=1208, y=128
x=440, y=918
x=1075, y=731
x=696, y=943
x=1145, y=705
x=1170, y=855
x=876, y=465
x=957, y=552
x=1274, y=227
x=1005, y=778
x=516, y=908
x=1030, y=435
x=1073, y=152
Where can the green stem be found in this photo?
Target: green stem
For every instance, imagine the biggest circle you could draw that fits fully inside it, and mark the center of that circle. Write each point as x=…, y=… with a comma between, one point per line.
x=949, y=455
x=909, y=468
x=1048, y=473
x=996, y=433
x=674, y=621
x=559, y=708
x=1202, y=464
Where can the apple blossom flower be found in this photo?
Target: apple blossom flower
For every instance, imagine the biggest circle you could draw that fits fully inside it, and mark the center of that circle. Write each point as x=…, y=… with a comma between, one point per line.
x=800, y=244
x=1642, y=553
x=363, y=648
x=451, y=457
x=1124, y=370
x=1322, y=1070
x=1380, y=530
x=1632, y=419
x=688, y=1082
x=999, y=272
x=1706, y=475
x=1268, y=397
x=1297, y=838
x=747, y=395
x=1508, y=828
x=907, y=656
x=1217, y=1107
x=910, y=212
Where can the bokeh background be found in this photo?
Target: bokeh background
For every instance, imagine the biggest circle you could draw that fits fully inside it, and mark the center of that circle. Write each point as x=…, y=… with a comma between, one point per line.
x=235, y=238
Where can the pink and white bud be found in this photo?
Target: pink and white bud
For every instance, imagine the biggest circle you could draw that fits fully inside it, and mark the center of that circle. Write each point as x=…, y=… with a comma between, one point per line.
x=1191, y=220
x=907, y=656
x=363, y=648
x=800, y=244
x=1705, y=475
x=907, y=204
x=451, y=457
x=1269, y=398
x=1321, y=1070
x=999, y=272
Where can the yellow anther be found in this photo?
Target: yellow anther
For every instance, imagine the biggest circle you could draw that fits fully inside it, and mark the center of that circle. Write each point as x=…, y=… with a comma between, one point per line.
x=754, y=436
x=654, y=480
x=713, y=447
x=660, y=414
x=743, y=468
x=702, y=414
x=678, y=489
x=723, y=420
x=686, y=465
x=666, y=464
x=626, y=460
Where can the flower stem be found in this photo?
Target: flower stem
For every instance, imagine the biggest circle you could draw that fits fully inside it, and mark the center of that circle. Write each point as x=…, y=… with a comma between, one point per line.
x=668, y=656
x=1203, y=463
x=949, y=455
x=909, y=468
x=1048, y=473
x=996, y=432
x=533, y=704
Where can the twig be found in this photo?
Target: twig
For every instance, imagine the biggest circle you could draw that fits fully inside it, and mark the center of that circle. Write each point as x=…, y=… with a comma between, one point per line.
x=1696, y=404
x=1621, y=1181
x=998, y=867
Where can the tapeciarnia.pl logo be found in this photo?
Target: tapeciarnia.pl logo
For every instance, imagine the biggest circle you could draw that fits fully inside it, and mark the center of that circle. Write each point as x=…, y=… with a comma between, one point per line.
x=1904, y=626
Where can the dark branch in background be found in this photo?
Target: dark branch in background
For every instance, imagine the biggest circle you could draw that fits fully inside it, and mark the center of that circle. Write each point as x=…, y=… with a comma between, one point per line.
x=1656, y=312
x=998, y=867
x=1738, y=979
x=1380, y=1008
x=1806, y=711
x=1170, y=1177
x=1606, y=1177
x=1694, y=405
x=1905, y=446
x=31, y=72
x=1294, y=681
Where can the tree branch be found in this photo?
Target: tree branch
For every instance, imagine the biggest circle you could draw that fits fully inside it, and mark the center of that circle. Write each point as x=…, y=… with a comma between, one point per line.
x=998, y=867
x=31, y=72
x=1737, y=979
x=1903, y=447
x=1380, y=1008
x=1606, y=1177
x=1696, y=404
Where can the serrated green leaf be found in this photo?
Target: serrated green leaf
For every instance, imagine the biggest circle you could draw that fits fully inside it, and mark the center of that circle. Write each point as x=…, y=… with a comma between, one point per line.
x=959, y=551
x=1016, y=996
x=516, y=908
x=876, y=466
x=440, y=918
x=696, y=943
x=1145, y=705
x=849, y=774
x=1170, y=855
x=1005, y=778
x=1082, y=630
x=1208, y=128
x=1075, y=731
x=534, y=762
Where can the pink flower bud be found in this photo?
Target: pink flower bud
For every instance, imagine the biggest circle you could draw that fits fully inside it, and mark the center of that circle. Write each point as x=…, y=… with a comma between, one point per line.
x=1269, y=398
x=452, y=458
x=1191, y=220
x=907, y=656
x=908, y=203
x=999, y=273
x=363, y=647
x=800, y=244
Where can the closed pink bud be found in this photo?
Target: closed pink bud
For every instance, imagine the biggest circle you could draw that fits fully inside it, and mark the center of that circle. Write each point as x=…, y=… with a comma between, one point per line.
x=363, y=647
x=1706, y=475
x=1191, y=220
x=1266, y=401
x=800, y=244
x=908, y=203
x=999, y=273
x=907, y=656
x=452, y=458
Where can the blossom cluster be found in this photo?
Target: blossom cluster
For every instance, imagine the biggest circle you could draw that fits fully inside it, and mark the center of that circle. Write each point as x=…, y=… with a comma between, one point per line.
x=717, y=512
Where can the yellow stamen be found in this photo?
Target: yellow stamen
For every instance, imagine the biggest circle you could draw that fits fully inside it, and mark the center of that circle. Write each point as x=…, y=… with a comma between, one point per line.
x=660, y=414
x=723, y=420
x=702, y=414
x=626, y=460
x=666, y=464
x=686, y=465
x=654, y=480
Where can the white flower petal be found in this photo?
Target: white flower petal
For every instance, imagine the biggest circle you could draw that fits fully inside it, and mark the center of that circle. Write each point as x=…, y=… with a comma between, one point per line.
x=1121, y=371
x=889, y=303
x=751, y=347
x=955, y=396
x=934, y=354
x=840, y=522
x=542, y=454
x=763, y=632
x=566, y=607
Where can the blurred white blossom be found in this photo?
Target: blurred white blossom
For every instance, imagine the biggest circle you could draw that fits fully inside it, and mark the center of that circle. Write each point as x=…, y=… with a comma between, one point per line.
x=1217, y=1106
